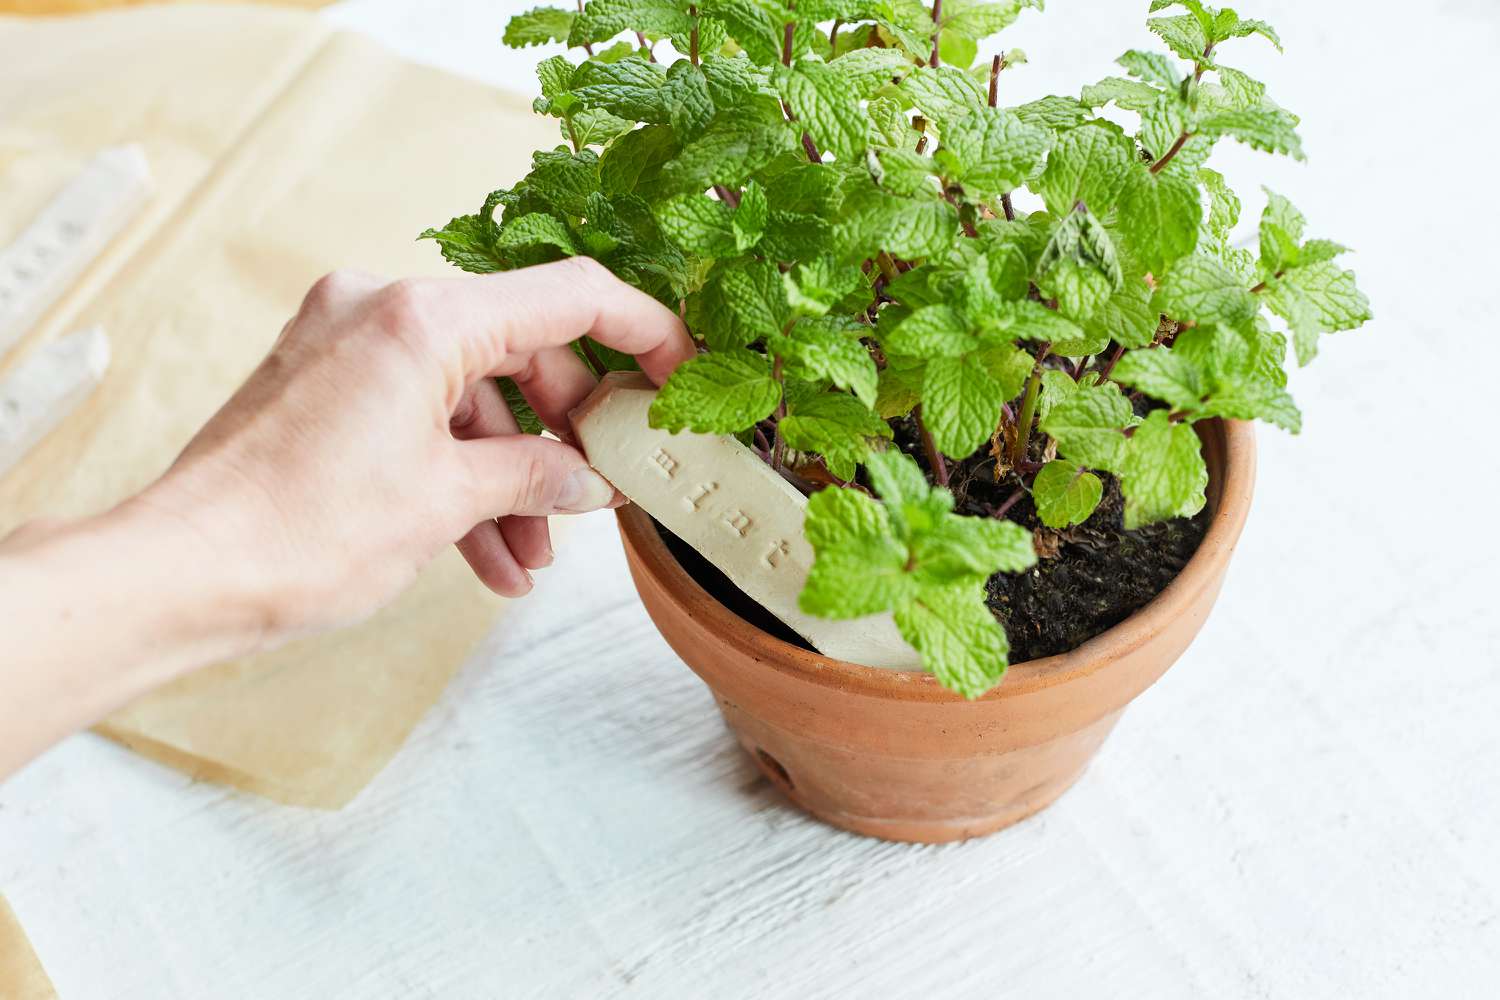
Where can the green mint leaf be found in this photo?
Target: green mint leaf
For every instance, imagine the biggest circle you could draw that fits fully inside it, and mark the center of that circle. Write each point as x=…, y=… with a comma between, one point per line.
x=1316, y=299
x=793, y=236
x=890, y=124
x=1132, y=95
x=1281, y=230
x=827, y=105
x=897, y=477
x=1184, y=35
x=900, y=386
x=1162, y=374
x=979, y=19
x=1163, y=475
x=794, y=185
x=719, y=393
x=563, y=179
x=1222, y=372
x=978, y=298
x=1160, y=214
x=602, y=20
x=727, y=153
x=1200, y=290
x=602, y=231
x=744, y=303
x=1026, y=320
x=537, y=229
x=908, y=21
x=555, y=74
x=943, y=93
x=594, y=127
x=960, y=549
x=633, y=161
x=909, y=228
x=1269, y=129
x=867, y=70
x=1317, y=251
x=932, y=331
x=829, y=348
x=837, y=426
x=991, y=152
x=903, y=172
x=816, y=286
x=538, y=26
x=468, y=242
x=687, y=100
x=1087, y=423
x=1057, y=386
x=750, y=25
x=960, y=641
x=1242, y=29
x=736, y=82
x=859, y=565
x=1008, y=366
x=1065, y=494
x=1223, y=203
x=700, y=225
x=1079, y=265
x=1087, y=165
x=960, y=404
x=750, y=218
x=1128, y=318
x=1240, y=90
x=1054, y=114
x=1151, y=67
x=630, y=88
x=1163, y=123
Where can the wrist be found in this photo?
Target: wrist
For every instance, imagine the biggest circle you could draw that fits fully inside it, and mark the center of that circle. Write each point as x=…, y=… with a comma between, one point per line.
x=97, y=612
x=168, y=599
x=219, y=600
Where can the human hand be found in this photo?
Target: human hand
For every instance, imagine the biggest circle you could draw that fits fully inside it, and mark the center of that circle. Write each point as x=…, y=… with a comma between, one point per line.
x=373, y=435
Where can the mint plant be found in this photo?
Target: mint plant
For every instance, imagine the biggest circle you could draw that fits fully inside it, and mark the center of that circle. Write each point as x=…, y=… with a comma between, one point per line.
x=862, y=236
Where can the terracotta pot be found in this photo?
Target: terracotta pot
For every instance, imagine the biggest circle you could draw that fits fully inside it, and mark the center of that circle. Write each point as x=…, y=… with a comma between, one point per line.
x=892, y=754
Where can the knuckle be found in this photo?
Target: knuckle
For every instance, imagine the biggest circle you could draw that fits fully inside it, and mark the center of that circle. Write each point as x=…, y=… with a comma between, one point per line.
x=400, y=309
x=332, y=288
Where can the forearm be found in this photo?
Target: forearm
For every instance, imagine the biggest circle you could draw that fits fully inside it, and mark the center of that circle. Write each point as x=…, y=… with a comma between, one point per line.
x=97, y=612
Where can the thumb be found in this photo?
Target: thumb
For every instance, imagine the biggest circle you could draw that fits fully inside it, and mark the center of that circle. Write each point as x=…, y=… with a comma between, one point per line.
x=532, y=475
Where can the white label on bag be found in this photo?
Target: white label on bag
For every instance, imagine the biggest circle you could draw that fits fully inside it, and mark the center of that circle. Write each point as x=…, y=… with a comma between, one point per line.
x=68, y=235
x=723, y=500
x=46, y=387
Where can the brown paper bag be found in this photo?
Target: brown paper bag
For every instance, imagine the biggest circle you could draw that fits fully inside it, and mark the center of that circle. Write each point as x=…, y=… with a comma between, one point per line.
x=21, y=975
x=281, y=151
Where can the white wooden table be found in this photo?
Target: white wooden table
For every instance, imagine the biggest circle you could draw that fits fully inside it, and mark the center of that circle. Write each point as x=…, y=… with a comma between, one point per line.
x=1306, y=806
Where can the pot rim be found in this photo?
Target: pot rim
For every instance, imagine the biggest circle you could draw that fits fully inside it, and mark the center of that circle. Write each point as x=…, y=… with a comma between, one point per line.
x=1231, y=503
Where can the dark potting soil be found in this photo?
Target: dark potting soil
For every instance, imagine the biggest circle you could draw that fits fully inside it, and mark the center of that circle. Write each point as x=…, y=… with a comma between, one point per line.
x=1090, y=577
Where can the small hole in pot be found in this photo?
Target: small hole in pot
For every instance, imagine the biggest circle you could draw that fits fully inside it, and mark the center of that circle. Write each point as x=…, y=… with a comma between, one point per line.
x=774, y=769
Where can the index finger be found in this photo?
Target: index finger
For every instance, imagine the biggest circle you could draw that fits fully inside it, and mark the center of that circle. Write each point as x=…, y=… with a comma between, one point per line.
x=500, y=320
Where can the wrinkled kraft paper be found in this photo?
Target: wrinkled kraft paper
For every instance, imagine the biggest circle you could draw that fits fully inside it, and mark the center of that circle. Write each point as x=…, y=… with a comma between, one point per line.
x=21, y=975
x=281, y=150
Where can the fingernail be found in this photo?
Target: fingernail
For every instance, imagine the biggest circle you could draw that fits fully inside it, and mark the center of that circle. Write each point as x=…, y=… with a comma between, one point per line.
x=583, y=491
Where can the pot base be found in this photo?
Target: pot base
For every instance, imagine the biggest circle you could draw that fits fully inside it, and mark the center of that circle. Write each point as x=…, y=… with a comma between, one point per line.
x=919, y=801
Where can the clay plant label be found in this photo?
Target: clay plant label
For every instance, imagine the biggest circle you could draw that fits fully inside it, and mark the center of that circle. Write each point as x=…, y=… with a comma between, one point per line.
x=47, y=386
x=728, y=504
x=67, y=235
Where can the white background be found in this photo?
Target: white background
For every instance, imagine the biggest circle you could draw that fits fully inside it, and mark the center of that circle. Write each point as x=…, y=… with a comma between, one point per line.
x=1306, y=806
